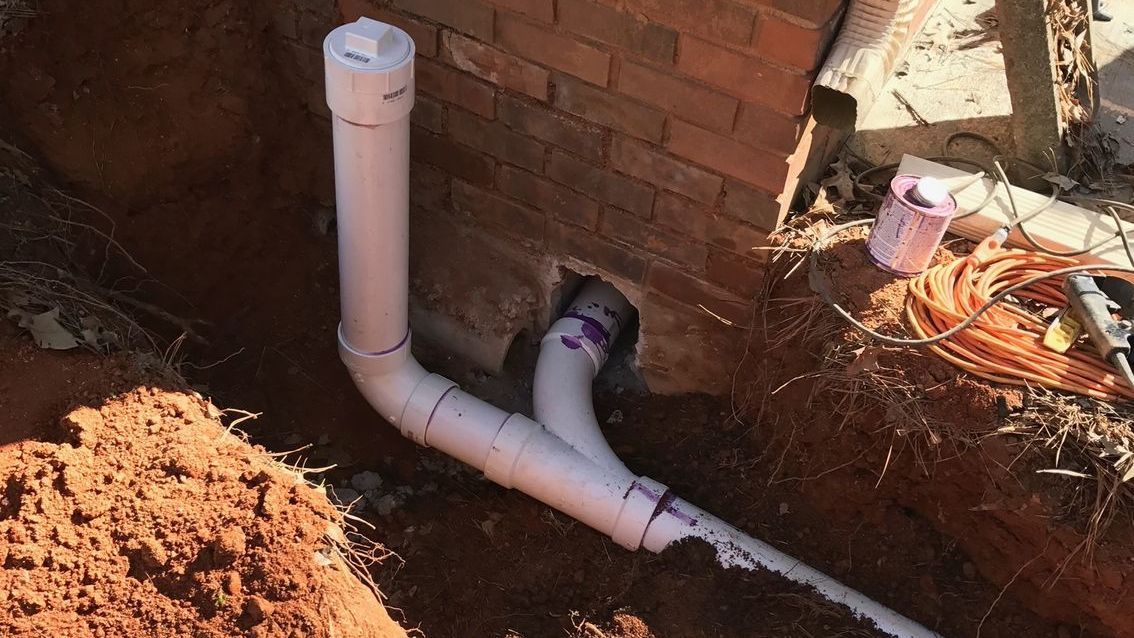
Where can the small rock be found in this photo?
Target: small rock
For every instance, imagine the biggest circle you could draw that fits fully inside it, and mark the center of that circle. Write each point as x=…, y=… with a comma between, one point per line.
x=343, y=495
x=258, y=609
x=387, y=504
x=614, y=418
x=366, y=481
x=784, y=509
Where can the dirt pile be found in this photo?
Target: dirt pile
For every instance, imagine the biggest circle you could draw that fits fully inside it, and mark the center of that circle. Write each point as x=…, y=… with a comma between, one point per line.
x=137, y=514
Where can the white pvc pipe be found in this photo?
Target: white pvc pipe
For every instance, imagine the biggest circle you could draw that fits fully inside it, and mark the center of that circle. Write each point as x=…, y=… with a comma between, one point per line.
x=571, y=354
x=679, y=520
x=371, y=163
x=568, y=465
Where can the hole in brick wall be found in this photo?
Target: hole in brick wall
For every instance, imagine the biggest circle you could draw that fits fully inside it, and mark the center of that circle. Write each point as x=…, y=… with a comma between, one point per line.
x=621, y=370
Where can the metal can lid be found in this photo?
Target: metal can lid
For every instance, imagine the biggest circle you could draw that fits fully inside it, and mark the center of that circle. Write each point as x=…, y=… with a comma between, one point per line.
x=932, y=191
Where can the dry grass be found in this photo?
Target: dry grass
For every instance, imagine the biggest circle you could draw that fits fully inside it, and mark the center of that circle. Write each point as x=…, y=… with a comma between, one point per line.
x=1069, y=22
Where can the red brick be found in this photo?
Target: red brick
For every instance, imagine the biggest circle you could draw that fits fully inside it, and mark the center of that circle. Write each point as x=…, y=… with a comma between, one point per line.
x=455, y=159
x=624, y=226
x=619, y=29
x=682, y=286
x=490, y=208
x=494, y=65
x=429, y=187
x=496, y=140
x=456, y=88
x=468, y=16
x=428, y=114
x=815, y=13
x=717, y=20
x=545, y=195
x=542, y=10
x=601, y=184
x=539, y=121
x=752, y=165
x=664, y=171
x=748, y=204
x=424, y=36
x=611, y=110
x=541, y=45
x=743, y=76
x=760, y=126
x=787, y=43
x=687, y=99
x=691, y=220
x=585, y=246
x=742, y=275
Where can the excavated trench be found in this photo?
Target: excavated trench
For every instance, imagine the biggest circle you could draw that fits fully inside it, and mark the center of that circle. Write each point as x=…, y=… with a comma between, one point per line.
x=194, y=128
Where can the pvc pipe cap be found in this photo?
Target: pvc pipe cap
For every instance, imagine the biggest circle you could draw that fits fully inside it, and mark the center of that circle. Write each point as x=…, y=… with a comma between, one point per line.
x=932, y=191
x=369, y=66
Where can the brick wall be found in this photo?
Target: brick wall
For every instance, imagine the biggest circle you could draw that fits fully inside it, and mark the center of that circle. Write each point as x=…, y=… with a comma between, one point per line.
x=654, y=142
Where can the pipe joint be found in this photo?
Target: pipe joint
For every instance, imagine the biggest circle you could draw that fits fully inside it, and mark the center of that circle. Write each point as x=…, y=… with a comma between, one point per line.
x=421, y=405
x=638, y=509
x=373, y=364
x=507, y=447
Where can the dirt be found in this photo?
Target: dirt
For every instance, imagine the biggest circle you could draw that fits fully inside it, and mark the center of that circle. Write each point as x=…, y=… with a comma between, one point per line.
x=128, y=510
x=180, y=122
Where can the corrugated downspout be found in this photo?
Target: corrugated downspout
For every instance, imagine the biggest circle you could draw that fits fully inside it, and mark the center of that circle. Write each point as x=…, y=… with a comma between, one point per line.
x=873, y=39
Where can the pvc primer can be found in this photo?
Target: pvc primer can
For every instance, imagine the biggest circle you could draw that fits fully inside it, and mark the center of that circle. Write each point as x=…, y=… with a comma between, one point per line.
x=911, y=223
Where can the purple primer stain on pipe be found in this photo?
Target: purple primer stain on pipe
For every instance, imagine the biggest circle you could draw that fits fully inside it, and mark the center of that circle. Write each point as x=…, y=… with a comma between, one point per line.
x=667, y=505
x=593, y=330
x=571, y=342
x=642, y=489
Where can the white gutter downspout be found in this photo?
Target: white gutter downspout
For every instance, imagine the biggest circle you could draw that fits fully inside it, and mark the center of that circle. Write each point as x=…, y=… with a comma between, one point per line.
x=568, y=465
x=873, y=38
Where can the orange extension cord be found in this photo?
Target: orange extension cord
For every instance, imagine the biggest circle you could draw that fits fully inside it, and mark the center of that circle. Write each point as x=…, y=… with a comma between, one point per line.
x=1005, y=344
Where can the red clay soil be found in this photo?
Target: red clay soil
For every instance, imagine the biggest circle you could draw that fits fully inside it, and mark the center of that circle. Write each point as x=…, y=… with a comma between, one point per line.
x=178, y=119
x=128, y=510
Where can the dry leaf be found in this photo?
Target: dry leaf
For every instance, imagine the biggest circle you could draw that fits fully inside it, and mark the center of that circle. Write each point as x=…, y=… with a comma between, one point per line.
x=46, y=329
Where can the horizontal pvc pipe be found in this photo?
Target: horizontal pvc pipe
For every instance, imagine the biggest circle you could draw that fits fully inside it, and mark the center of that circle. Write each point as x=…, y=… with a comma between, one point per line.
x=679, y=520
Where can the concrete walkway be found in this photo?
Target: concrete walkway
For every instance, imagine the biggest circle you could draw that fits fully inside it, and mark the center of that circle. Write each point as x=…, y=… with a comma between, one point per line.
x=953, y=80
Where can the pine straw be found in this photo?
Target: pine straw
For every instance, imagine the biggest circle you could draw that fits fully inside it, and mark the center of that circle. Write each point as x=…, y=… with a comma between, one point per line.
x=1091, y=444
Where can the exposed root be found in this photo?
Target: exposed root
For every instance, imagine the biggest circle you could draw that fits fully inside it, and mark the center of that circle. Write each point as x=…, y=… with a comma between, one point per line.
x=46, y=242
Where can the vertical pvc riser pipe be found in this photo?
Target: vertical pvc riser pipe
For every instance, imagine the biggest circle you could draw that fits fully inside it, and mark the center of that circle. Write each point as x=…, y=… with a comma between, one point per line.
x=371, y=138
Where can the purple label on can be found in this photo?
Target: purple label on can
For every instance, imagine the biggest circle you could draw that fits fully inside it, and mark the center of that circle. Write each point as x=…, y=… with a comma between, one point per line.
x=905, y=236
